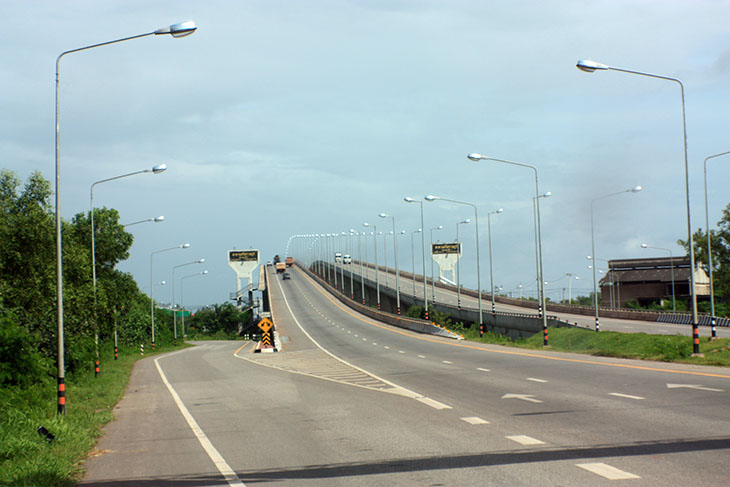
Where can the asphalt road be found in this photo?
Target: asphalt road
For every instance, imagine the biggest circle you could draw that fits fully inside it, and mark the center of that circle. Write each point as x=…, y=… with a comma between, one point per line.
x=351, y=401
x=448, y=296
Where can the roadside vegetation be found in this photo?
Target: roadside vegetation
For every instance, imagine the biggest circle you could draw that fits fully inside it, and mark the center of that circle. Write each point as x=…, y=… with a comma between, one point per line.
x=28, y=333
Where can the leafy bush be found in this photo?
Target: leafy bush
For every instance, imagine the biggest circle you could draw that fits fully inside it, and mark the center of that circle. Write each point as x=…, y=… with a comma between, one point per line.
x=20, y=362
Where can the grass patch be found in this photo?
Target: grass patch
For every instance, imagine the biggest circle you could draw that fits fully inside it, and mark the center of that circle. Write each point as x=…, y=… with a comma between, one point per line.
x=29, y=460
x=664, y=348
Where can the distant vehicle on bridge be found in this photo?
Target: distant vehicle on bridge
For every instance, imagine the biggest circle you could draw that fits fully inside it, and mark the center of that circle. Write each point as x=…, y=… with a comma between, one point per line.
x=286, y=276
x=347, y=259
x=280, y=267
x=289, y=261
x=338, y=257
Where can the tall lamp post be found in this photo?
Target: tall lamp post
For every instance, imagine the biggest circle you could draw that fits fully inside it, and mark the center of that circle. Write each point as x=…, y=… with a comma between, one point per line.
x=635, y=189
x=541, y=288
x=709, y=247
x=671, y=266
x=479, y=272
x=491, y=273
x=155, y=170
x=458, y=271
x=174, y=312
x=433, y=276
x=182, y=296
x=152, y=299
x=570, y=286
x=155, y=219
x=395, y=252
x=375, y=244
x=176, y=30
x=408, y=199
x=413, y=261
x=590, y=67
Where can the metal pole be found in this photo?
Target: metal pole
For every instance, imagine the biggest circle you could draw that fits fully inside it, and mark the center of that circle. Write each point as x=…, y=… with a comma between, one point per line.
x=709, y=249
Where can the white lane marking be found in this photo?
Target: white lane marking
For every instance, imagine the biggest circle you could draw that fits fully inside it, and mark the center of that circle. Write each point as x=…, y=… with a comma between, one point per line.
x=525, y=440
x=212, y=452
x=401, y=351
x=627, y=396
x=483, y=370
x=536, y=380
x=474, y=420
x=434, y=404
x=446, y=362
x=524, y=397
x=375, y=344
x=693, y=386
x=607, y=471
x=421, y=356
x=386, y=347
x=364, y=339
x=396, y=389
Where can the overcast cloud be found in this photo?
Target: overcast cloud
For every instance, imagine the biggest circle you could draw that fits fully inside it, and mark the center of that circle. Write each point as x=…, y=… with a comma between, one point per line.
x=295, y=117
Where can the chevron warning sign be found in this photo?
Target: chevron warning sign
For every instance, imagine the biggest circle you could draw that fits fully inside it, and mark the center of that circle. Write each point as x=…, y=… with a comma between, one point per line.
x=266, y=340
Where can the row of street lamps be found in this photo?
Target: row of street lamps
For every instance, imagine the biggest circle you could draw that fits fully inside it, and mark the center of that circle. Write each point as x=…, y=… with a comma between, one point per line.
x=176, y=30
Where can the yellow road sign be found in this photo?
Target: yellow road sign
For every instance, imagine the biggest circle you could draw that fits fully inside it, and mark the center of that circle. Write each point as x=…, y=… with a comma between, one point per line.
x=265, y=324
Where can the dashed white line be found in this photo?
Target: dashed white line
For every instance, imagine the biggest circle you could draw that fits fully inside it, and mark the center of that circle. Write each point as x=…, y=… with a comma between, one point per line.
x=474, y=420
x=542, y=381
x=627, y=396
x=607, y=471
x=525, y=440
x=386, y=347
x=483, y=370
x=421, y=356
x=446, y=362
x=401, y=351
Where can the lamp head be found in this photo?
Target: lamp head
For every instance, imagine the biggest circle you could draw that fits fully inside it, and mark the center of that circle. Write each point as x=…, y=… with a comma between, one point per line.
x=383, y=215
x=439, y=227
x=185, y=246
x=366, y=224
x=180, y=29
x=431, y=197
x=408, y=199
x=201, y=261
x=636, y=189
x=402, y=232
x=204, y=272
x=589, y=66
x=643, y=246
x=159, y=168
x=500, y=210
x=158, y=219
x=548, y=194
x=473, y=156
x=162, y=283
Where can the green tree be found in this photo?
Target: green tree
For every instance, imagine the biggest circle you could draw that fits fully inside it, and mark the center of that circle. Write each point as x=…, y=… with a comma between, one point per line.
x=720, y=241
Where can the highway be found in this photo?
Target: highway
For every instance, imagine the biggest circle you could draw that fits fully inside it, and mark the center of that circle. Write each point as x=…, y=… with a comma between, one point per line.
x=448, y=296
x=350, y=401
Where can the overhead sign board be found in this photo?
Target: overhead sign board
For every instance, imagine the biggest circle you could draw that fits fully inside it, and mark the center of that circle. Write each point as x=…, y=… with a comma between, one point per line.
x=446, y=248
x=243, y=256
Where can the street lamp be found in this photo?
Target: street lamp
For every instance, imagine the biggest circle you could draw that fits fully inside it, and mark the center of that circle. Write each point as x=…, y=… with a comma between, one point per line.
x=534, y=221
x=433, y=277
x=635, y=189
x=408, y=199
x=709, y=248
x=395, y=252
x=176, y=30
x=155, y=170
x=377, y=273
x=174, y=313
x=491, y=274
x=570, y=286
x=591, y=66
x=458, y=271
x=541, y=288
x=152, y=299
x=413, y=261
x=156, y=219
x=479, y=272
x=182, y=296
x=671, y=265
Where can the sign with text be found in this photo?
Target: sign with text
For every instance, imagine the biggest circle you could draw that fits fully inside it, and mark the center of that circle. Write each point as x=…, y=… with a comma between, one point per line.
x=243, y=256
x=446, y=248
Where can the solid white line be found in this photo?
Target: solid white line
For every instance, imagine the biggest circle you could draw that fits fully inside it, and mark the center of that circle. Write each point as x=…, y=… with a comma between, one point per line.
x=525, y=440
x=434, y=404
x=618, y=394
x=483, y=370
x=607, y=471
x=214, y=455
x=536, y=380
x=474, y=420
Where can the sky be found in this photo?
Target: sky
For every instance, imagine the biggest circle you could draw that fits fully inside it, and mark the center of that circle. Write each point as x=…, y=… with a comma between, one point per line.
x=283, y=117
